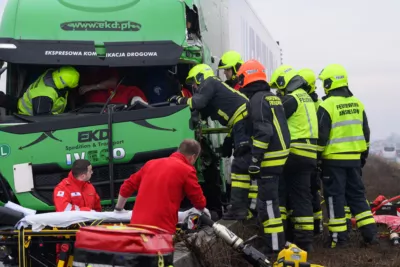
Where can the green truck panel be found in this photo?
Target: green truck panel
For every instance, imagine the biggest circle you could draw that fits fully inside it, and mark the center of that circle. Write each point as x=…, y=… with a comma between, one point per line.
x=99, y=21
x=103, y=33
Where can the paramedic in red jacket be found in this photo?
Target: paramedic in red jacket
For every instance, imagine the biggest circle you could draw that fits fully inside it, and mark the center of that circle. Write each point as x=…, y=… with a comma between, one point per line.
x=76, y=192
x=162, y=184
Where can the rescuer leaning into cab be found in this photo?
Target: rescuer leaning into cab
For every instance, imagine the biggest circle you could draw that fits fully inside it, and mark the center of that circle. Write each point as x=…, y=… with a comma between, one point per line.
x=49, y=93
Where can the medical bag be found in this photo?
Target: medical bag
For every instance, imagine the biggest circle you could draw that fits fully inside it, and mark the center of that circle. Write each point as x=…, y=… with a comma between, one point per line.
x=123, y=245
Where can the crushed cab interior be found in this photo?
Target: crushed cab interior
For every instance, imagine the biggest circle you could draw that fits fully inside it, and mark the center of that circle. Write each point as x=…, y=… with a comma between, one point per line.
x=157, y=84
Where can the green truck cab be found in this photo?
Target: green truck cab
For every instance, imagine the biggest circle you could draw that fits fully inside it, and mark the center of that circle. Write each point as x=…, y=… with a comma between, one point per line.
x=132, y=36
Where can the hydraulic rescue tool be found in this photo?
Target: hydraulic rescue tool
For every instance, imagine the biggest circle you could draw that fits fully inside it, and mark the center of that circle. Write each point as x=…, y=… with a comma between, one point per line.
x=252, y=255
x=290, y=256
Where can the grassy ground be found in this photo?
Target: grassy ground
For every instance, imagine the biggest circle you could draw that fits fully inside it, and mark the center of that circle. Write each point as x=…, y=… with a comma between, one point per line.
x=379, y=178
x=219, y=254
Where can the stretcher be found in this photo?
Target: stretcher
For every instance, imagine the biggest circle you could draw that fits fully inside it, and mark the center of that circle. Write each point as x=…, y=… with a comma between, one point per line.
x=386, y=212
x=34, y=238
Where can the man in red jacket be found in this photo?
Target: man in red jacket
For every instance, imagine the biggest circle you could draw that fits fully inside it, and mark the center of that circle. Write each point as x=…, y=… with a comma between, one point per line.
x=76, y=192
x=163, y=184
x=99, y=84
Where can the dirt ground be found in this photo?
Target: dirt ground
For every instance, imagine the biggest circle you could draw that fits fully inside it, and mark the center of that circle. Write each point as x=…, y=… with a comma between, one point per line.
x=379, y=178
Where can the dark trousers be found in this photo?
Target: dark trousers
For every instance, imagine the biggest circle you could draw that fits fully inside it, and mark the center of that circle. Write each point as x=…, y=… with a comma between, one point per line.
x=240, y=184
x=316, y=200
x=253, y=194
x=239, y=170
x=295, y=197
x=341, y=185
x=268, y=212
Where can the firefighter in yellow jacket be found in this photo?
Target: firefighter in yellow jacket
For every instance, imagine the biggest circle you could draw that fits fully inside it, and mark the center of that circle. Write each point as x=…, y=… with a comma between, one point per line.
x=343, y=148
x=309, y=77
x=49, y=93
x=295, y=187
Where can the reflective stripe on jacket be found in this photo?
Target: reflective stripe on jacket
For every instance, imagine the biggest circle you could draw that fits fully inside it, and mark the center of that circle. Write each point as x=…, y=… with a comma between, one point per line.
x=346, y=138
x=303, y=126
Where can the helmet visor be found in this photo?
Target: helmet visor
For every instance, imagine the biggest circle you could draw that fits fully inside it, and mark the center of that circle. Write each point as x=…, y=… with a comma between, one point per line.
x=222, y=65
x=190, y=81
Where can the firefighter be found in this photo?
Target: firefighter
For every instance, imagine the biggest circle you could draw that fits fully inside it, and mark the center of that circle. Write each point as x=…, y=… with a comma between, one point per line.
x=76, y=193
x=162, y=184
x=270, y=148
x=343, y=144
x=309, y=76
x=295, y=187
x=219, y=101
x=230, y=62
x=49, y=93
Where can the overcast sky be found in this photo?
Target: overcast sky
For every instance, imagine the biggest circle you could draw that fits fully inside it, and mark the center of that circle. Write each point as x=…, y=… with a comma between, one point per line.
x=362, y=35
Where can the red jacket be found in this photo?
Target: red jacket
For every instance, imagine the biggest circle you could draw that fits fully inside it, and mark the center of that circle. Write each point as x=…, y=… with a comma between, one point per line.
x=186, y=93
x=72, y=194
x=123, y=95
x=162, y=184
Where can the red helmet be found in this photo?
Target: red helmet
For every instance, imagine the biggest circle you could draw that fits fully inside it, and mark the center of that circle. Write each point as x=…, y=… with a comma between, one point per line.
x=251, y=71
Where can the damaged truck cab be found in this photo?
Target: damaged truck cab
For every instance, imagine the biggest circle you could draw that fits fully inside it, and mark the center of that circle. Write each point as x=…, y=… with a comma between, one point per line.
x=135, y=37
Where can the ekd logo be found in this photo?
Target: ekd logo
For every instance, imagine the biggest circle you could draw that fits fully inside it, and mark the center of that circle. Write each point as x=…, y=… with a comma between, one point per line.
x=122, y=26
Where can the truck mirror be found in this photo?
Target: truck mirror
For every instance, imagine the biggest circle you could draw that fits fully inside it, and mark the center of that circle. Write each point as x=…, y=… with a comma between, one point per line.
x=213, y=59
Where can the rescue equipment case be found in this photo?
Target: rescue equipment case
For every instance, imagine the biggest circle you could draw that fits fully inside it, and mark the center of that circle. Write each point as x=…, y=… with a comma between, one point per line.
x=125, y=245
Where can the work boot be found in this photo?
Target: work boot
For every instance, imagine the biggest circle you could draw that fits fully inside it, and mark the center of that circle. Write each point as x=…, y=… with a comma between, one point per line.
x=349, y=226
x=238, y=209
x=374, y=242
x=250, y=215
x=336, y=245
x=234, y=214
x=271, y=254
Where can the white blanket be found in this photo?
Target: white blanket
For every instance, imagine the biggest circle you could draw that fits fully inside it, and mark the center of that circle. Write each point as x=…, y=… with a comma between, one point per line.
x=64, y=219
x=67, y=218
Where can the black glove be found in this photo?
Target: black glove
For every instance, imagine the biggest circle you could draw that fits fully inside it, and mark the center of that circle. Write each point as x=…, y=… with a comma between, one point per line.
x=363, y=161
x=227, y=147
x=242, y=150
x=255, y=169
x=177, y=99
